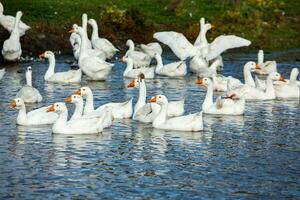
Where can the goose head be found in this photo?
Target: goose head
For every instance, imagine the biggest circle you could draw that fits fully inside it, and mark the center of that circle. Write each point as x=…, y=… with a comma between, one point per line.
x=126, y=59
x=133, y=84
x=1, y=9
x=57, y=108
x=251, y=66
x=76, y=29
x=294, y=74
x=204, y=81
x=84, y=19
x=159, y=99
x=19, y=15
x=202, y=21
x=84, y=91
x=74, y=99
x=260, y=57
x=17, y=103
x=275, y=76
x=92, y=22
x=130, y=43
x=47, y=54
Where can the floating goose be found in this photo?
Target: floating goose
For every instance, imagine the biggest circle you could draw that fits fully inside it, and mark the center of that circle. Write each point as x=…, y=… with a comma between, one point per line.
x=101, y=44
x=226, y=106
x=2, y=72
x=130, y=72
x=71, y=76
x=35, y=117
x=8, y=22
x=119, y=110
x=146, y=112
x=12, y=50
x=151, y=49
x=174, y=69
x=290, y=88
x=266, y=67
x=191, y=122
x=76, y=126
x=78, y=102
x=139, y=58
x=28, y=93
x=92, y=66
x=252, y=93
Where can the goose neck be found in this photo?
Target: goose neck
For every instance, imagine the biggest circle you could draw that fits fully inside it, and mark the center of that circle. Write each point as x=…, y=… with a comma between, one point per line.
x=51, y=67
x=95, y=33
x=159, y=62
x=29, y=78
x=61, y=120
x=78, y=110
x=83, y=45
x=142, y=96
x=270, y=91
x=162, y=115
x=248, y=77
x=22, y=116
x=208, y=101
x=89, y=104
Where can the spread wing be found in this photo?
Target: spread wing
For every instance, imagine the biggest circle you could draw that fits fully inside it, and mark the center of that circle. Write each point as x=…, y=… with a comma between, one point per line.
x=181, y=47
x=224, y=42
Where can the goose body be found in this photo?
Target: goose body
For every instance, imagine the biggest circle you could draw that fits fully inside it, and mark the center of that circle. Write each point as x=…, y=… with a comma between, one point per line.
x=92, y=66
x=146, y=112
x=78, y=112
x=76, y=126
x=102, y=44
x=119, y=110
x=11, y=49
x=151, y=49
x=191, y=122
x=71, y=76
x=130, y=72
x=140, y=59
x=226, y=106
x=8, y=22
x=28, y=93
x=35, y=117
x=174, y=69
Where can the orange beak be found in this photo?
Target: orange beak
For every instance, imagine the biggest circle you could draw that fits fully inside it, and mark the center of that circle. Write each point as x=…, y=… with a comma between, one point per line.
x=42, y=55
x=78, y=92
x=257, y=66
x=71, y=31
x=13, y=104
x=153, y=99
x=51, y=109
x=131, y=84
x=68, y=100
x=231, y=96
x=282, y=78
x=199, y=81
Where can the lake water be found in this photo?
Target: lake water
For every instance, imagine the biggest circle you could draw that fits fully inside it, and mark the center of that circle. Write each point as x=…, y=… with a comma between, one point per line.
x=254, y=156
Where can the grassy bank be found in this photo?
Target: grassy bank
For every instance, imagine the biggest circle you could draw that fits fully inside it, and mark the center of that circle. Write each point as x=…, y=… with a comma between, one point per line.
x=269, y=24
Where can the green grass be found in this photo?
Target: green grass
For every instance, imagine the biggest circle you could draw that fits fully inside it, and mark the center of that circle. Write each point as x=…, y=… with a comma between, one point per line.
x=261, y=21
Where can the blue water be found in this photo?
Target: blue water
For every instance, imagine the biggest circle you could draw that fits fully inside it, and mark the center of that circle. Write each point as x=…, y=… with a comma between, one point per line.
x=254, y=156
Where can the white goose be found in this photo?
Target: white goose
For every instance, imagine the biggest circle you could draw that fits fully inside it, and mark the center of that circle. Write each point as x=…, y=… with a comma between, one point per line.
x=8, y=22
x=76, y=126
x=74, y=36
x=290, y=88
x=92, y=66
x=267, y=67
x=71, y=76
x=226, y=106
x=183, y=49
x=28, y=93
x=252, y=93
x=130, y=72
x=191, y=122
x=11, y=49
x=101, y=44
x=78, y=112
x=139, y=58
x=119, y=110
x=146, y=112
x=35, y=117
x=152, y=48
x=2, y=72
x=174, y=69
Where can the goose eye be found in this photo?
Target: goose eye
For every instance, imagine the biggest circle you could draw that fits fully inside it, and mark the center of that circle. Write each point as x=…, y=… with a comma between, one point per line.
x=159, y=97
x=83, y=89
x=18, y=100
x=56, y=105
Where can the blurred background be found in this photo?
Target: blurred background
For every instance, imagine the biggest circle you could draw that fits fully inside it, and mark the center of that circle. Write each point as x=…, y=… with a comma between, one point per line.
x=270, y=24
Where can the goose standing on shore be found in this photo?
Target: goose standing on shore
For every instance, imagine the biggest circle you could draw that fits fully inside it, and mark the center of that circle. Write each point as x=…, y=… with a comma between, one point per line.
x=11, y=49
x=92, y=66
x=8, y=22
x=71, y=76
x=101, y=44
x=28, y=93
x=35, y=117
